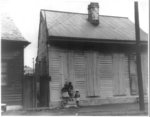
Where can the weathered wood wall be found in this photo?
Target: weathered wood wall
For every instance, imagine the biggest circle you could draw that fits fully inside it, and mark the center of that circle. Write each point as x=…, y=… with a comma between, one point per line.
x=12, y=90
x=95, y=73
x=42, y=61
x=42, y=38
x=28, y=92
x=144, y=58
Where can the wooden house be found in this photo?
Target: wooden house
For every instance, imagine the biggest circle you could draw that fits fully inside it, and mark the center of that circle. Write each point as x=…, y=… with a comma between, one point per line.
x=12, y=64
x=95, y=52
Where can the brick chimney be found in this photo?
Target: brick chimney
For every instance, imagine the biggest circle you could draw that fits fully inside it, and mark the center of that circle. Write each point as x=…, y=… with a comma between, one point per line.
x=93, y=13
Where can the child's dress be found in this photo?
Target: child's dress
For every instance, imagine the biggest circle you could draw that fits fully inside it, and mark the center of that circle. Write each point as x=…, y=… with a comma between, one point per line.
x=77, y=97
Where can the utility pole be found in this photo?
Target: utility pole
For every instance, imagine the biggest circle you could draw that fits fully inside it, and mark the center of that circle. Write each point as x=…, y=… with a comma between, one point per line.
x=34, y=85
x=138, y=58
x=33, y=65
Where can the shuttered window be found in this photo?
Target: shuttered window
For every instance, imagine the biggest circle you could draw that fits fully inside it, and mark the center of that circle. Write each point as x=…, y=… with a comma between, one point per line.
x=133, y=75
x=104, y=75
x=120, y=74
x=79, y=66
x=91, y=79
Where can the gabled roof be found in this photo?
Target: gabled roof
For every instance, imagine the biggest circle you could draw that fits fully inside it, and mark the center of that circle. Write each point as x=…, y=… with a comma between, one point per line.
x=9, y=31
x=76, y=25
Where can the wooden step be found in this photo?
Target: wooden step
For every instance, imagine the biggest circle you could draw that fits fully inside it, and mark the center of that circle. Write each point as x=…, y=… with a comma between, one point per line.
x=71, y=104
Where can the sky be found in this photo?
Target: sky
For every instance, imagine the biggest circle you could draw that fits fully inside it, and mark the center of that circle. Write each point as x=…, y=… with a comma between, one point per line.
x=25, y=14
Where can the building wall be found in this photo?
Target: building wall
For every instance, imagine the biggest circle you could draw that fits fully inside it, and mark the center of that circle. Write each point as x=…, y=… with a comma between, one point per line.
x=95, y=73
x=42, y=38
x=42, y=64
x=12, y=75
x=144, y=57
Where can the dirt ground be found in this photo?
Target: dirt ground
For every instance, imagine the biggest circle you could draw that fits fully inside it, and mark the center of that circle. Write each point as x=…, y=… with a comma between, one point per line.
x=102, y=110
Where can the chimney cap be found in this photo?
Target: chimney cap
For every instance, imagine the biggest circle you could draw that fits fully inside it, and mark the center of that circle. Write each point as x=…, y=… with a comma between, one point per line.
x=93, y=4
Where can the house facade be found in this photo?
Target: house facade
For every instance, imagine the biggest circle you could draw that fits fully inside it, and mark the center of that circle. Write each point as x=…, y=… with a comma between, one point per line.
x=94, y=52
x=12, y=64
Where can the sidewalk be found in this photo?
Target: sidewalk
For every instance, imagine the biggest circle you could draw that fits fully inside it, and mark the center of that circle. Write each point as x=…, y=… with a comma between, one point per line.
x=102, y=110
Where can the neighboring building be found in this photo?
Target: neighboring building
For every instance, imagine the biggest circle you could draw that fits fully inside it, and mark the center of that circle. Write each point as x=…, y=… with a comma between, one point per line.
x=12, y=58
x=94, y=52
x=28, y=70
x=30, y=84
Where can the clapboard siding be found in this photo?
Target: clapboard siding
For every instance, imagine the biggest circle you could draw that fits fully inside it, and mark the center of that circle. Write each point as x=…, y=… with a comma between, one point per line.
x=92, y=72
x=12, y=92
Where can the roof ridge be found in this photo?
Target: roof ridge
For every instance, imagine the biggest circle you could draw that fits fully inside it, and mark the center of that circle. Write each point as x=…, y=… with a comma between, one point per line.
x=81, y=13
x=114, y=16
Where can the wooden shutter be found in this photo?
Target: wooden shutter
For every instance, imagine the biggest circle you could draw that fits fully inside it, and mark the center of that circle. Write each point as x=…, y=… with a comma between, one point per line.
x=55, y=70
x=125, y=74
x=133, y=75
x=71, y=67
x=120, y=74
x=90, y=74
x=79, y=66
x=65, y=76
x=92, y=80
x=104, y=74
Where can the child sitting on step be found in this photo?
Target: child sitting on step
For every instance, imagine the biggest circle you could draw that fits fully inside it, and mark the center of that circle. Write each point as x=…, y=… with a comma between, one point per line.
x=64, y=93
x=77, y=98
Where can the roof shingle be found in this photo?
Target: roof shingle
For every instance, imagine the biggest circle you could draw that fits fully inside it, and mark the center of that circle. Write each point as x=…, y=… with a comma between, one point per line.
x=67, y=24
x=9, y=31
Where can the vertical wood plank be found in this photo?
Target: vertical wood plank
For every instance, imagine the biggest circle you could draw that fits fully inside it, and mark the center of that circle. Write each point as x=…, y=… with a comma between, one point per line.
x=115, y=74
x=64, y=66
x=90, y=74
x=126, y=74
x=71, y=68
x=96, y=91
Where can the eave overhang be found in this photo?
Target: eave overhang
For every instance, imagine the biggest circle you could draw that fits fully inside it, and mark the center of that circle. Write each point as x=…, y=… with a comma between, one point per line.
x=59, y=39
